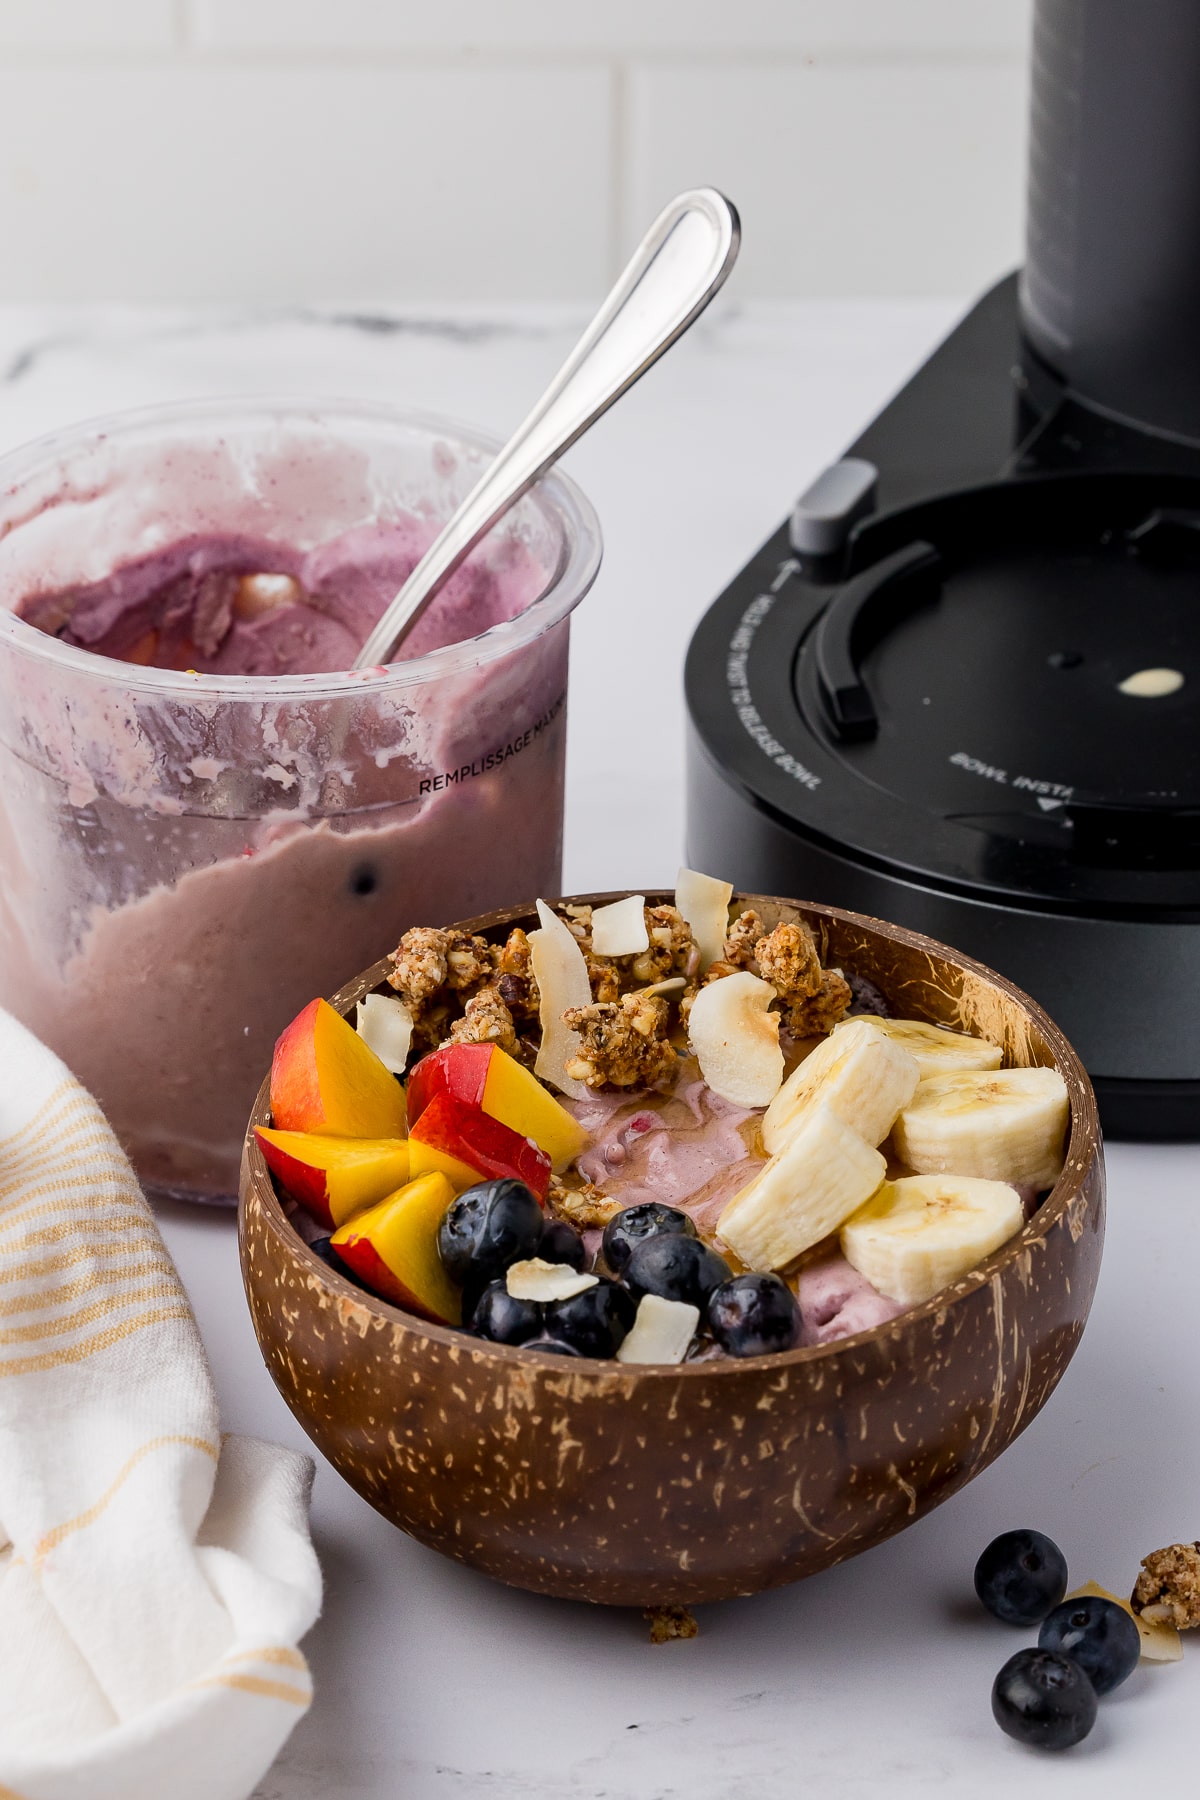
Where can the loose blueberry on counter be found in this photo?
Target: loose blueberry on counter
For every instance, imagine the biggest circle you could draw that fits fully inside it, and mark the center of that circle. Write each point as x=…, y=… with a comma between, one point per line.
x=596, y=1322
x=754, y=1315
x=502, y=1319
x=1020, y=1576
x=486, y=1228
x=630, y=1227
x=1044, y=1699
x=561, y=1243
x=677, y=1268
x=1097, y=1634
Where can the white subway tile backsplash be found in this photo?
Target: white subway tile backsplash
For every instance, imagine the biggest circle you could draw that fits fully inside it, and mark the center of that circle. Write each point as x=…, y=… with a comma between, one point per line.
x=614, y=26
x=215, y=183
x=72, y=27
x=879, y=179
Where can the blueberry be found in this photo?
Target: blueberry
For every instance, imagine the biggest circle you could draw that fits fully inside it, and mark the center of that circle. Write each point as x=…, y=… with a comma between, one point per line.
x=1097, y=1634
x=596, y=1322
x=486, y=1229
x=635, y=1223
x=364, y=880
x=678, y=1268
x=323, y=1247
x=754, y=1315
x=1020, y=1576
x=553, y=1346
x=503, y=1320
x=561, y=1243
x=1044, y=1699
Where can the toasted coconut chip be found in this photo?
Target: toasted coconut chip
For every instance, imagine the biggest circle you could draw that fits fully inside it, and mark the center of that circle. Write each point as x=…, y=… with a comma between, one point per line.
x=619, y=929
x=662, y=1331
x=562, y=979
x=538, y=1280
x=704, y=903
x=386, y=1026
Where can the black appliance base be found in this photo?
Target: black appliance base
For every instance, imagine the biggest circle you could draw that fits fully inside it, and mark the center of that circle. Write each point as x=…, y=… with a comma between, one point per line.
x=1161, y=1112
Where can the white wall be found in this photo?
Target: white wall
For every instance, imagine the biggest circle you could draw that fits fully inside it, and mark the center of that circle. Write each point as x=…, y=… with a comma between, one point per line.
x=484, y=149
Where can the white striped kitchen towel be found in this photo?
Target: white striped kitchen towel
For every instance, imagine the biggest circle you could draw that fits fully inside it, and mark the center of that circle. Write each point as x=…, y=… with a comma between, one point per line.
x=155, y=1579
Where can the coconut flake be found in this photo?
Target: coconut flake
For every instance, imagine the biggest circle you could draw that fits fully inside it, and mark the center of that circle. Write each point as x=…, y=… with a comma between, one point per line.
x=662, y=1331
x=704, y=903
x=538, y=1280
x=562, y=979
x=619, y=929
x=386, y=1027
x=735, y=1038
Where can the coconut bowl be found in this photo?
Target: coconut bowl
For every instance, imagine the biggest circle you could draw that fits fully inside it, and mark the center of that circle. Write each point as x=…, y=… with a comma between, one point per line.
x=648, y=1486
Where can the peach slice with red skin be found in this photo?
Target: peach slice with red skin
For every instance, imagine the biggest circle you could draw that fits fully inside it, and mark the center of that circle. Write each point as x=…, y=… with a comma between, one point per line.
x=485, y=1076
x=334, y=1177
x=467, y=1145
x=393, y=1248
x=325, y=1079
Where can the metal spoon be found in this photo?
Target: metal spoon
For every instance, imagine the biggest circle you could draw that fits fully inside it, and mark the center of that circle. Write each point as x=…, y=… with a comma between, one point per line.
x=671, y=277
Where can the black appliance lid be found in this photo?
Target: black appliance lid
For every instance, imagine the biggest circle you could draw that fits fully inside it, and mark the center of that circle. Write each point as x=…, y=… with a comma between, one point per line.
x=1001, y=693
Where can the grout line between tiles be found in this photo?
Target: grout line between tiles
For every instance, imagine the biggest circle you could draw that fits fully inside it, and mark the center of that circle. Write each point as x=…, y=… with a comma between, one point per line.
x=619, y=153
x=184, y=52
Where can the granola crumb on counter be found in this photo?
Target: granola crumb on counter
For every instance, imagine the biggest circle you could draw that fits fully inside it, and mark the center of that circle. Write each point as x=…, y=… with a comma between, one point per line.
x=669, y=1622
x=1167, y=1590
x=623, y=1043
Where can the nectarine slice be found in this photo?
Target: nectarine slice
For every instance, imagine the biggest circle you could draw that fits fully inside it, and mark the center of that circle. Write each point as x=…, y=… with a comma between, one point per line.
x=334, y=1177
x=325, y=1079
x=393, y=1247
x=483, y=1075
x=468, y=1145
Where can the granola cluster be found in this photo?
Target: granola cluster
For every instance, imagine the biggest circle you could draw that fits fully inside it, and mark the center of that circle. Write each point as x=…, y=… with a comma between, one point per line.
x=463, y=990
x=813, y=999
x=1167, y=1589
x=622, y=1043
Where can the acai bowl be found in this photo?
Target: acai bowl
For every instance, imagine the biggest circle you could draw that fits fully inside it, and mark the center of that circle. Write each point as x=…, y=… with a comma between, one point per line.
x=666, y=1483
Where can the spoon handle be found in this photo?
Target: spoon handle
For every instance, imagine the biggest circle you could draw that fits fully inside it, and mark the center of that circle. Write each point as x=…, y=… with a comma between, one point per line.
x=673, y=274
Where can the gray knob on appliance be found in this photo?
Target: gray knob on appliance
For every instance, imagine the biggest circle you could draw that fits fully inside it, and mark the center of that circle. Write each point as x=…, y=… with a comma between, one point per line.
x=826, y=511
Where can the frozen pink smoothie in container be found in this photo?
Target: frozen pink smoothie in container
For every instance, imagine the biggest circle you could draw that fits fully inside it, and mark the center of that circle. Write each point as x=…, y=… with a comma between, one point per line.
x=204, y=819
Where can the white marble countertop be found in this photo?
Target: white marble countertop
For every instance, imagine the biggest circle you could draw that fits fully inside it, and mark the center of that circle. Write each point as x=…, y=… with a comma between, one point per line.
x=432, y=1682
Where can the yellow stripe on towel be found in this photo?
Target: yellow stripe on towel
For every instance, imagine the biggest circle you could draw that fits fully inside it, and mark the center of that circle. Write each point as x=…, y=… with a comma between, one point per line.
x=255, y=1684
x=103, y=1340
x=54, y=1538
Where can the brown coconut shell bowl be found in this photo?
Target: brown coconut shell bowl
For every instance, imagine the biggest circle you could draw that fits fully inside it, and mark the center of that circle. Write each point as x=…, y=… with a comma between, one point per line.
x=650, y=1486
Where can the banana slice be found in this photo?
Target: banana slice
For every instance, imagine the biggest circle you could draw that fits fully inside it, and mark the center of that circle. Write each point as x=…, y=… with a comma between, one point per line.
x=861, y=1074
x=1003, y=1124
x=918, y=1234
x=735, y=1039
x=823, y=1174
x=936, y=1049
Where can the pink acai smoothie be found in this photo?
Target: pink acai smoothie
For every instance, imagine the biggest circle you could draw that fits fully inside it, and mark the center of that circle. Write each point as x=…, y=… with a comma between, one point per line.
x=179, y=880
x=690, y=1148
